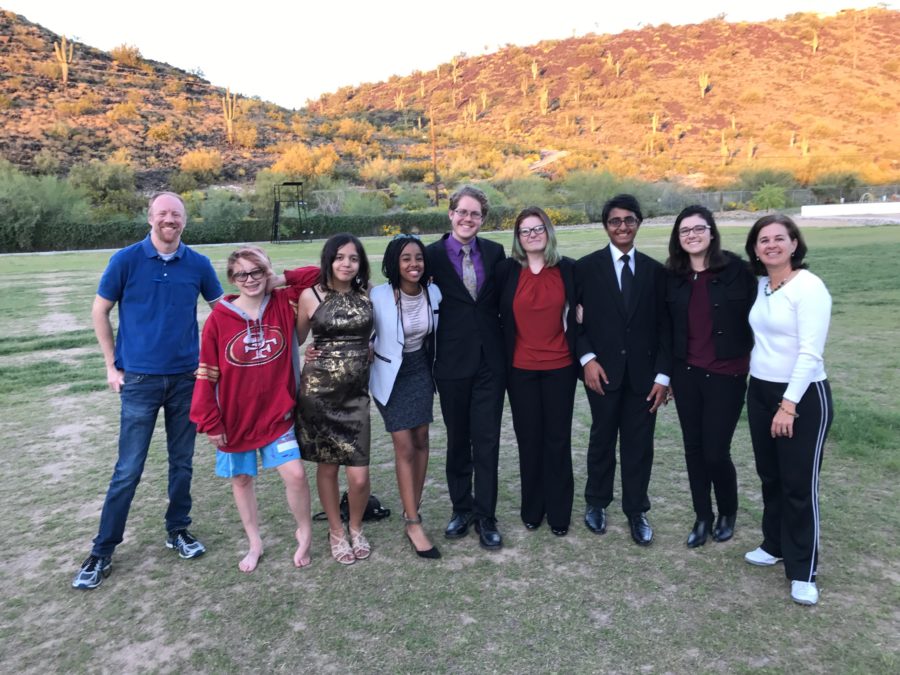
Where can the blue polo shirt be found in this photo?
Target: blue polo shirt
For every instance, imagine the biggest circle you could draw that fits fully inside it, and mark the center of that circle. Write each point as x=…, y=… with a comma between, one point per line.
x=157, y=301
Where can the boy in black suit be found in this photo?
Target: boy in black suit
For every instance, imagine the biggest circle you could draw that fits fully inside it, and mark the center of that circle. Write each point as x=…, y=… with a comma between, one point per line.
x=623, y=348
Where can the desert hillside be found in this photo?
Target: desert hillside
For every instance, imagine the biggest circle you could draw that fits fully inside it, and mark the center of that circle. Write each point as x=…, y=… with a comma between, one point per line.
x=696, y=103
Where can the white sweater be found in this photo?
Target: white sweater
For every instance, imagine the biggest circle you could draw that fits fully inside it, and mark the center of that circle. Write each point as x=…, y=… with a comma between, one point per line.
x=789, y=328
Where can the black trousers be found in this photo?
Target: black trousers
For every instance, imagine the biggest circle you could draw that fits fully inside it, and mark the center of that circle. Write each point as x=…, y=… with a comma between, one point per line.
x=709, y=406
x=622, y=413
x=472, y=408
x=542, y=402
x=789, y=471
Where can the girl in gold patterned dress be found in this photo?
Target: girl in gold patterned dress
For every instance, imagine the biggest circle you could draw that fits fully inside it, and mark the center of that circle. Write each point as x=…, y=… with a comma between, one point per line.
x=333, y=403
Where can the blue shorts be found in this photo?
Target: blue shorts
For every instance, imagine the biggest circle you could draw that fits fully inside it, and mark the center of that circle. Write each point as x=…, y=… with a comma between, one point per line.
x=283, y=449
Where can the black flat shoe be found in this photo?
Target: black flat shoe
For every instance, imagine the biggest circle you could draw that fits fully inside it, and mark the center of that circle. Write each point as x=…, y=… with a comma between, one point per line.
x=641, y=531
x=559, y=531
x=531, y=526
x=458, y=526
x=488, y=535
x=595, y=519
x=698, y=535
x=724, y=529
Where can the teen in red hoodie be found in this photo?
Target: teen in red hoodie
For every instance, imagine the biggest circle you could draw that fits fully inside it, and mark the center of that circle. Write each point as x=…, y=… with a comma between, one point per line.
x=245, y=391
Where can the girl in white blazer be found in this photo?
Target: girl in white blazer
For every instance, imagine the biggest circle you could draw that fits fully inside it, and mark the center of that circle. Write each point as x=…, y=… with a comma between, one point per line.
x=406, y=316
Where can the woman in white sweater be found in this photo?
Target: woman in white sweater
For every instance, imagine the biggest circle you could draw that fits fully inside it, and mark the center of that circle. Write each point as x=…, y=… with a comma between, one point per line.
x=788, y=400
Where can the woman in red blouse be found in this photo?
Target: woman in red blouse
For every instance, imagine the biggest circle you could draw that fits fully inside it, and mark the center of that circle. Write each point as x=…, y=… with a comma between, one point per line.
x=537, y=292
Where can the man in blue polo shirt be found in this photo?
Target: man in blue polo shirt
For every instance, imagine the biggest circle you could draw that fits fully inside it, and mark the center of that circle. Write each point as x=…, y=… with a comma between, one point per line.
x=151, y=365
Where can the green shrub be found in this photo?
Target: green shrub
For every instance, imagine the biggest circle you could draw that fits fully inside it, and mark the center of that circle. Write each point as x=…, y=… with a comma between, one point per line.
x=31, y=206
x=109, y=185
x=753, y=179
x=832, y=187
x=222, y=208
x=769, y=197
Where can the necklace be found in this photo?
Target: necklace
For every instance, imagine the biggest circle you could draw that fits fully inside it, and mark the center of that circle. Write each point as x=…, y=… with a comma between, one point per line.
x=768, y=290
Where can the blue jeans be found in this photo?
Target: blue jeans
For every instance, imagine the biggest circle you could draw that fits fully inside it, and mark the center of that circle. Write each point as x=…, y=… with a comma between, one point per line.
x=142, y=396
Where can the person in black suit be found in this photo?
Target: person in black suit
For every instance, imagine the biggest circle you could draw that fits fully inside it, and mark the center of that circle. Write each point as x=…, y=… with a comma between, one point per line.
x=470, y=368
x=537, y=304
x=623, y=347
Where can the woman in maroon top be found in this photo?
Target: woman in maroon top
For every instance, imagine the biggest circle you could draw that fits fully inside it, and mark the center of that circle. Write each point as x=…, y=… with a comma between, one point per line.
x=537, y=292
x=709, y=293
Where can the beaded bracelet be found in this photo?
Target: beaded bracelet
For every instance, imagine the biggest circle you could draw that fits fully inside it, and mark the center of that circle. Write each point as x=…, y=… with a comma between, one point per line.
x=795, y=415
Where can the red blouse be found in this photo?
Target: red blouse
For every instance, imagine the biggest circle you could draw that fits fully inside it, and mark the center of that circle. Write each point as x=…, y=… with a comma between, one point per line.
x=538, y=309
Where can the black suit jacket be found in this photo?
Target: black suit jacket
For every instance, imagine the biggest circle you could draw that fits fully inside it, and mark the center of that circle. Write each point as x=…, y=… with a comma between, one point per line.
x=508, y=280
x=467, y=327
x=636, y=338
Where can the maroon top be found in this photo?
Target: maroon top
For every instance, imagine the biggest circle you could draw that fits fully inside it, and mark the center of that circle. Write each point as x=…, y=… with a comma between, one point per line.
x=538, y=308
x=701, y=350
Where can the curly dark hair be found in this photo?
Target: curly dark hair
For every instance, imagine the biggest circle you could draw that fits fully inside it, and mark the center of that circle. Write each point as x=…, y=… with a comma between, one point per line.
x=390, y=264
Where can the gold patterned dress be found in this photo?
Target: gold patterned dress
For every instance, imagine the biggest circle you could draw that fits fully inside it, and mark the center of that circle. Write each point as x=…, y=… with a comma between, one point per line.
x=332, y=413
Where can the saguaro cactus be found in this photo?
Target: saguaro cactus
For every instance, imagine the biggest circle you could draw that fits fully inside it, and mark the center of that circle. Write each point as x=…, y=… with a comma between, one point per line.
x=229, y=112
x=703, y=80
x=64, y=53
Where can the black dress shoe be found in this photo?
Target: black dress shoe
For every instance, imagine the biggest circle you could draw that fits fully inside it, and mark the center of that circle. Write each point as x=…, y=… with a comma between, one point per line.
x=595, y=519
x=560, y=531
x=531, y=526
x=641, y=531
x=488, y=536
x=698, y=535
x=724, y=529
x=458, y=526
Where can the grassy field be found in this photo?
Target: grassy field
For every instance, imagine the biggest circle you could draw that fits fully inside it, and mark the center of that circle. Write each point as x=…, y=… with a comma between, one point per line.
x=543, y=604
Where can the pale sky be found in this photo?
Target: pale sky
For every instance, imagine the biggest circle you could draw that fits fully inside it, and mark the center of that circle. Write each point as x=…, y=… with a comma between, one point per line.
x=289, y=52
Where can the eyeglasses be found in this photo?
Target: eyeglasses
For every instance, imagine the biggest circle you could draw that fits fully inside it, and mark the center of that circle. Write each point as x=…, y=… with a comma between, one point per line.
x=474, y=215
x=696, y=229
x=628, y=221
x=255, y=274
x=537, y=231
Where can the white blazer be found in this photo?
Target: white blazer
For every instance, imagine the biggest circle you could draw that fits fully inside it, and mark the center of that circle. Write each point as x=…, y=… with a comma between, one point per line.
x=389, y=338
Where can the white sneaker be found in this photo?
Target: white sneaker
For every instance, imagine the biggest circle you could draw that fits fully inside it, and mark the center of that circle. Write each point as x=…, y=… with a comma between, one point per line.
x=760, y=557
x=804, y=592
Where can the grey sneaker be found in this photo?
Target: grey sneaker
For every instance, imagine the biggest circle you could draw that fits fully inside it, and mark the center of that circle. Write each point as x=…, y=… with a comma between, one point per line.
x=93, y=571
x=185, y=543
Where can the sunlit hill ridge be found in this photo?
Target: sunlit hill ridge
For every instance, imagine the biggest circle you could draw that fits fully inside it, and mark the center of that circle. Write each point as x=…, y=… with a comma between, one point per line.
x=696, y=104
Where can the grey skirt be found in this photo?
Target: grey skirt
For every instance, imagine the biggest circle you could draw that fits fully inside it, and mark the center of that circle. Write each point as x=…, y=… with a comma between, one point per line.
x=412, y=397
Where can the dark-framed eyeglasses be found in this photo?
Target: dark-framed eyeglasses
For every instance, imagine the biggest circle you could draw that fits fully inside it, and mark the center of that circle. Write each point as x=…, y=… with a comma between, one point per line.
x=537, y=231
x=696, y=229
x=256, y=274
x=463, y=213
x=627, y=221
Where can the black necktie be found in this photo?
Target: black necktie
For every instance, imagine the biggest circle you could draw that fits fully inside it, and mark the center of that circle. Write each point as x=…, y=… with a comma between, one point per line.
x=627, y=279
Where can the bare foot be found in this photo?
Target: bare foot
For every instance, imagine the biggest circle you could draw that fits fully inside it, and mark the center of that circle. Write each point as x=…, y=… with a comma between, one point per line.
x=248, y=564
x=301, y=556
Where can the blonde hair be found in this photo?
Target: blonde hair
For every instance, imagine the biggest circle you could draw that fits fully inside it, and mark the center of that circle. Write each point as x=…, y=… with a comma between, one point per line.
x=252, y=253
